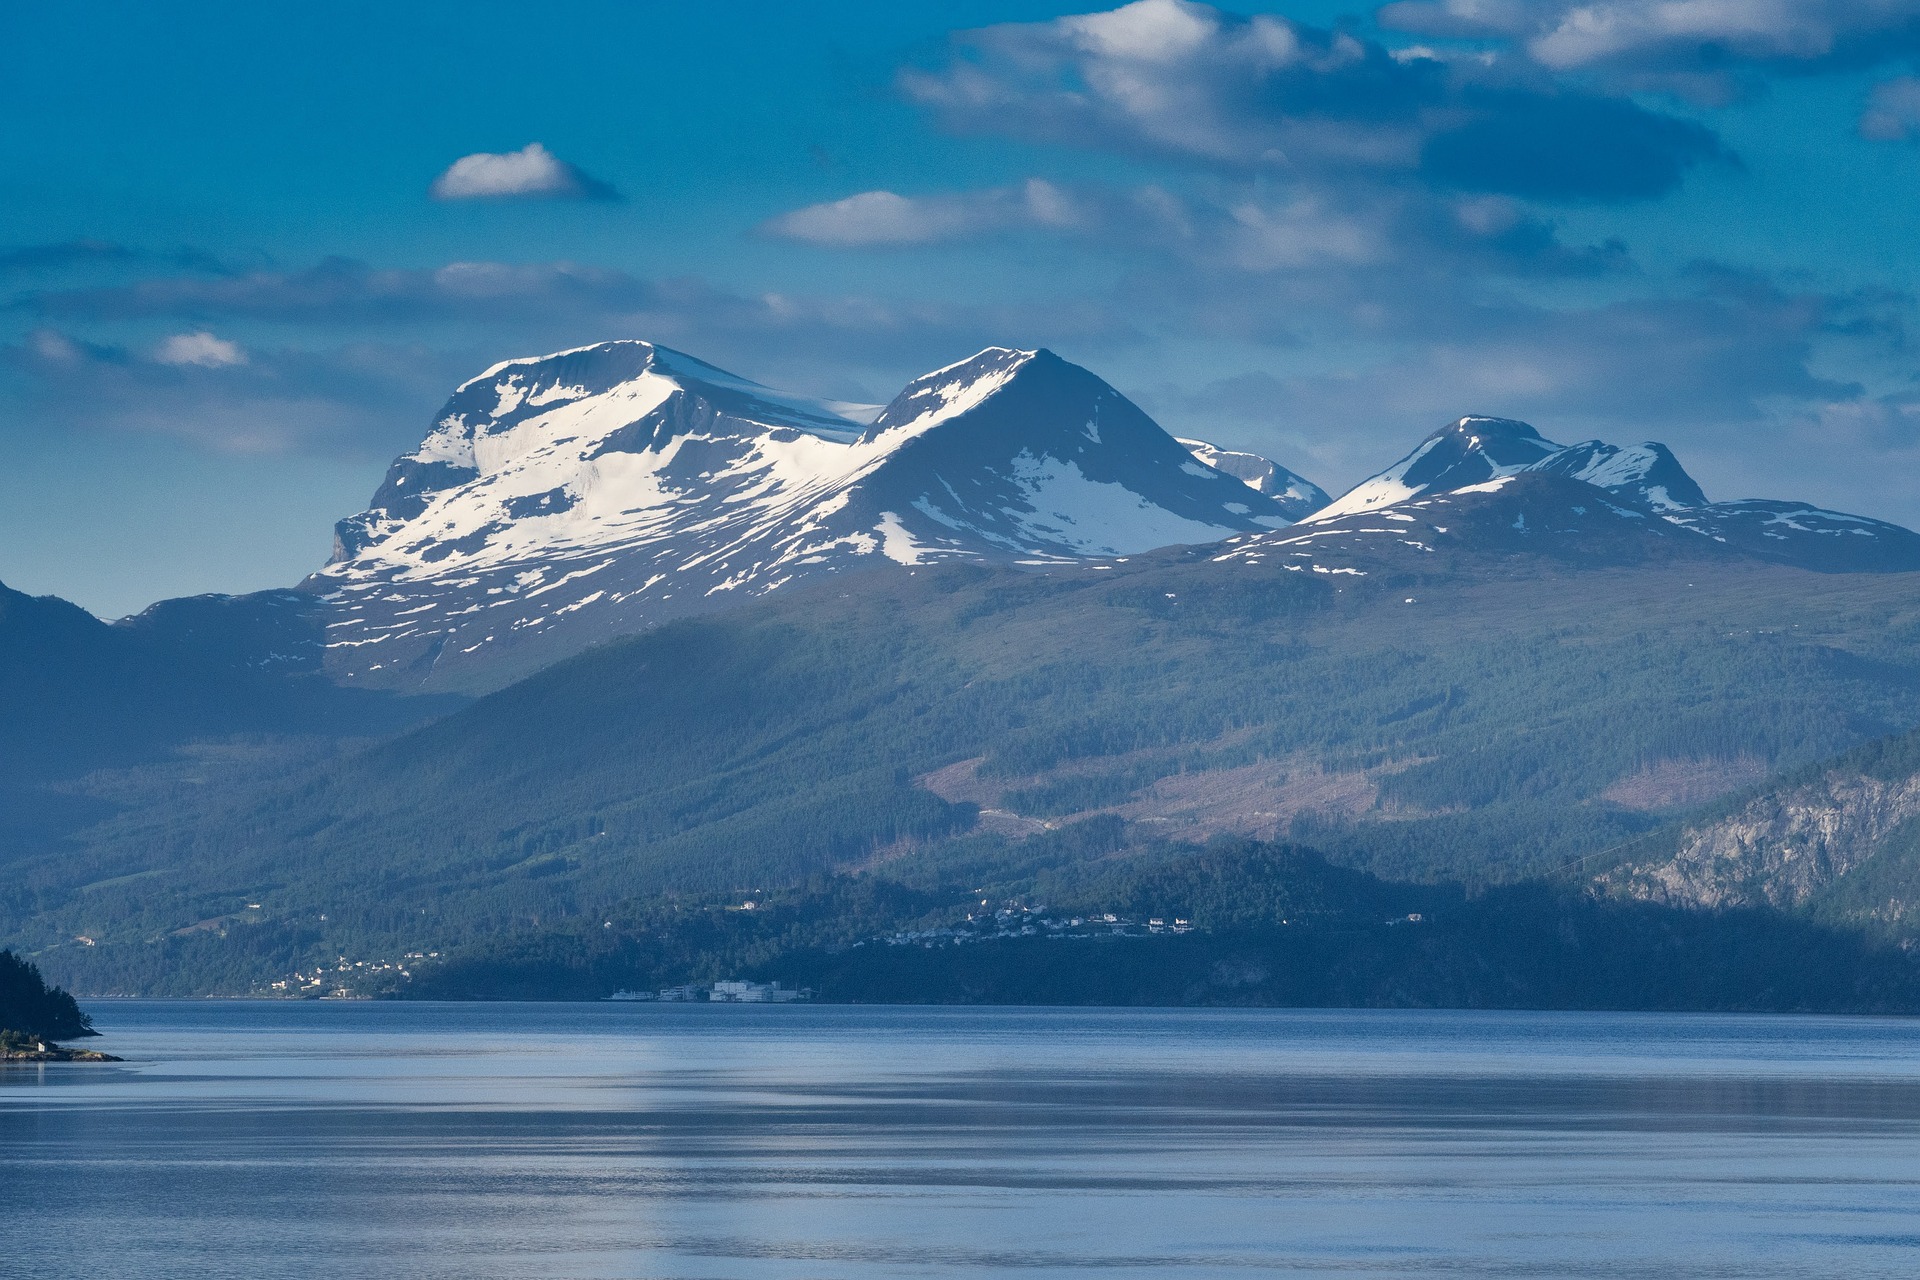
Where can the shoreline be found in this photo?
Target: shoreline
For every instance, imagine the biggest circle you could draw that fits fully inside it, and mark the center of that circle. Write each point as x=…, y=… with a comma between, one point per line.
x=56, y=1054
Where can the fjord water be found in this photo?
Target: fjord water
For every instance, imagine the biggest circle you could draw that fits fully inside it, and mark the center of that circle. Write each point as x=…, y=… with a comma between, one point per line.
x=401, y=1140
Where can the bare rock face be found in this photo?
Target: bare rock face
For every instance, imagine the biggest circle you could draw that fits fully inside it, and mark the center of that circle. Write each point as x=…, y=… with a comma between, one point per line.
x=1779, y=850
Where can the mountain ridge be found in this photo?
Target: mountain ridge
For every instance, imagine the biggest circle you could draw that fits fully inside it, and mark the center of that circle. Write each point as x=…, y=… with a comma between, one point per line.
x=561, y=501
x=565, y=500
x=1643, y=485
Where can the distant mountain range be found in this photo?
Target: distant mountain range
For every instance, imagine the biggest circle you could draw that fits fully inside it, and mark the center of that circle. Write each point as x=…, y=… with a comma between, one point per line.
x=1494, y=482
x=562, y=501
x=565, y=500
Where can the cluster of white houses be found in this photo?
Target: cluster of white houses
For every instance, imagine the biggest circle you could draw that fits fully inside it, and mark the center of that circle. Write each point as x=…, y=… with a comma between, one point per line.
x=730, y=992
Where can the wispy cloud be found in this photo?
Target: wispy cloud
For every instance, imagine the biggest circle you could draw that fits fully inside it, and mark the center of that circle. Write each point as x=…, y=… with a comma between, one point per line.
x=356, y=400
x=556, y=302
x=1221, y=225
x=67, y=253
x=531, y=173
x=885, y=218
x=67, y=256
x=298, y=384
x=1893, y=111
x=201, y=349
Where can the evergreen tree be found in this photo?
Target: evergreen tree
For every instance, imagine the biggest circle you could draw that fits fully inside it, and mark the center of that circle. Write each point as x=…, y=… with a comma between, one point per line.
x=31, y=1008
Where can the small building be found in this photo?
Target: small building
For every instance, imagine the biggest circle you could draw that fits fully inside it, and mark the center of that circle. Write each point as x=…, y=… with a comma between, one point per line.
x=736, y=992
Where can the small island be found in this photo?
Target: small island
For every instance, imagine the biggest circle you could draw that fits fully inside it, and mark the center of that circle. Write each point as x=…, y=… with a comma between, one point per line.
x=34, y=1017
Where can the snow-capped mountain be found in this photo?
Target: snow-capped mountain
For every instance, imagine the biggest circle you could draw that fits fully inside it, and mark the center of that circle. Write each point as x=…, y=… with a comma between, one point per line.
x=1475, y=457
x=1648, y=473
x=1808, y=536
x=1470, y=451
x=567, y=499
x=1298, y=496
x=1529, y=513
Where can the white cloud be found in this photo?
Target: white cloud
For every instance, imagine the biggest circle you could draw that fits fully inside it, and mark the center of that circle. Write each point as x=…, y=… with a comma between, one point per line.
x=1893, y=112
x=1218, y=226
x=54, y=347
x=531, y=173
x=1183, y=79
x=202, y=349
x=1762, y=28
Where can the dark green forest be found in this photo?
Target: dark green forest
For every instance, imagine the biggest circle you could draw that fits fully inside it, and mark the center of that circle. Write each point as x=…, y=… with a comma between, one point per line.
x=28, y=1007
x=1274, y=926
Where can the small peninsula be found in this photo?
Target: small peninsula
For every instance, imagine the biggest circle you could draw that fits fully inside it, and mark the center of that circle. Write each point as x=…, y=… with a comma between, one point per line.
x=34, y=1016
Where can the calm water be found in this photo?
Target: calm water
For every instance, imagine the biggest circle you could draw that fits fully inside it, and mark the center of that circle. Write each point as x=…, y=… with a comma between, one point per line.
x=351, y=1140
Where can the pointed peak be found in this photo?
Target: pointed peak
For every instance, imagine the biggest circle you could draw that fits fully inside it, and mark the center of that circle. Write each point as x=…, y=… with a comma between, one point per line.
x=985, y=359
x=952, y=390
x=988, y=362
x=1296, y=495
x=630, y=356
x=1467, y=451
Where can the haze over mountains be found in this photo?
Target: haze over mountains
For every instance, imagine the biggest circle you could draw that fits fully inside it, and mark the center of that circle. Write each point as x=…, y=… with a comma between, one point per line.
x=971, y=638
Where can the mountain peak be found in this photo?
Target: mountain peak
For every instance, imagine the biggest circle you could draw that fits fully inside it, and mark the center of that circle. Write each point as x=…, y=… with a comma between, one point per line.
x=948, y=392
x=1492, y=434
x=514, y=391
x=1647, y=472
x=1296, y=495
x=552, y=415
x=1028, y=452
x=1469, y=450
x=596, y=492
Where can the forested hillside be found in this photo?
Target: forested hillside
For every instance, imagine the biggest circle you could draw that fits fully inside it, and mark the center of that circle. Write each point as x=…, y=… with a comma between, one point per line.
x=79, y=695
x=1432, y=718
x=29, y=1008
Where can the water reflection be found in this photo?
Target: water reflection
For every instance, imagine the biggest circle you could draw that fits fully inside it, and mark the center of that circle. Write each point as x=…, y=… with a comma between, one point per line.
x=384, y=1140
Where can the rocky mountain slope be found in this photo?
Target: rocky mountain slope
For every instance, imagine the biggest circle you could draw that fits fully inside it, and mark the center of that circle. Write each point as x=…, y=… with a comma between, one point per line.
x=1841, y=839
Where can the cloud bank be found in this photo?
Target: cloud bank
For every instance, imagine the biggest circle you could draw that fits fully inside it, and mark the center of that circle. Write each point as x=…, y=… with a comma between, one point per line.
x=1182, y=81
x=1711, y=50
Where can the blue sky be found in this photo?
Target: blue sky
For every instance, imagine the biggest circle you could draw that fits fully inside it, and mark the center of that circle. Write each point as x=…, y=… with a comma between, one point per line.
x=235, y=291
